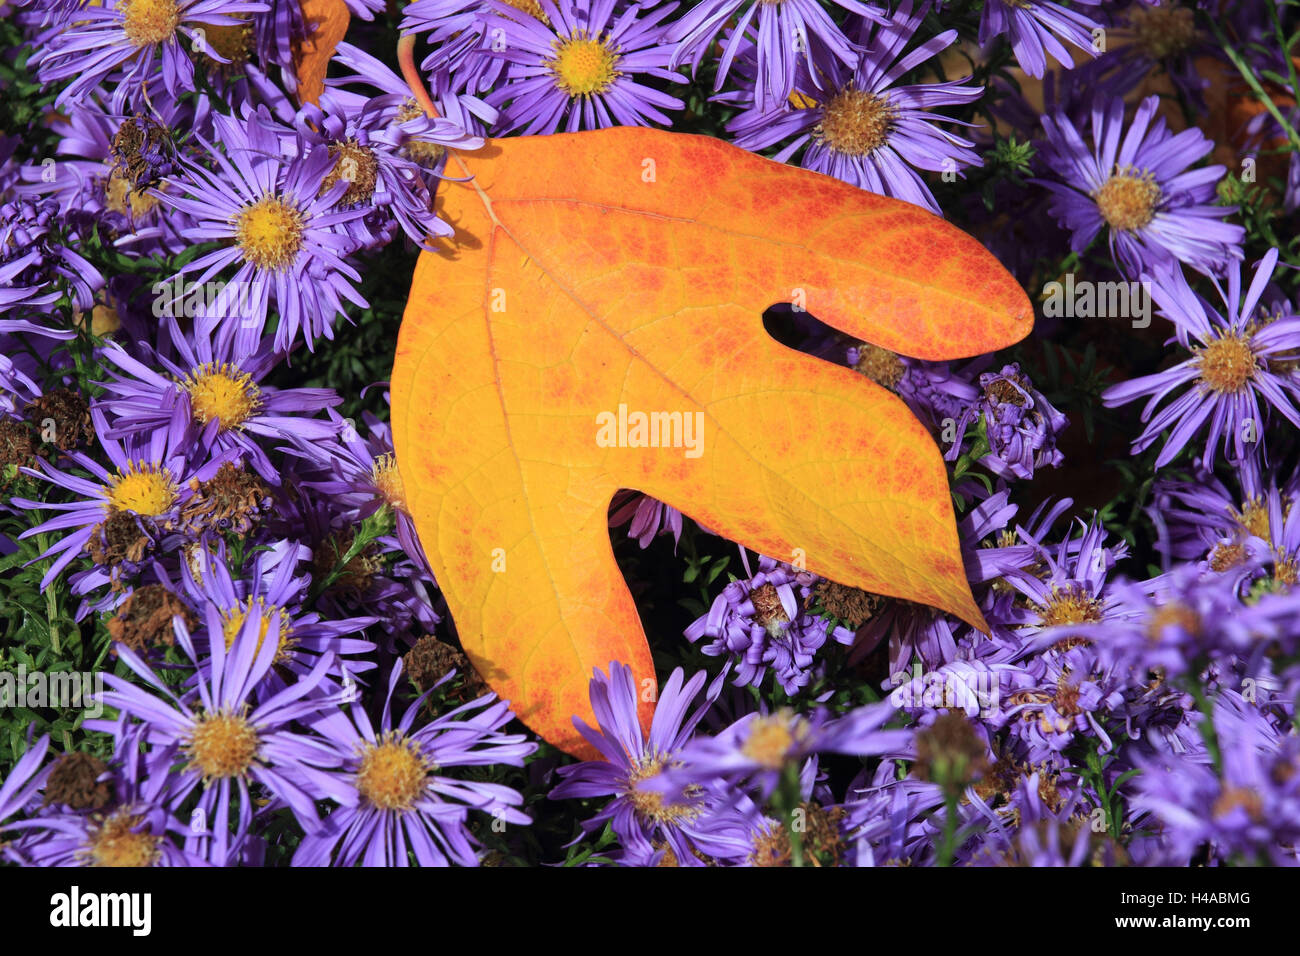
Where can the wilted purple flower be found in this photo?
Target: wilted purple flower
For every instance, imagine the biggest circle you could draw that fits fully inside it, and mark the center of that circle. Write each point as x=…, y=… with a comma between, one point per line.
x=852, y=122
x=394, y=800
x=34, y=261
x=378, y=150
x=1241, y=357
x=762, y=624
x=1136, y=184
x=1021, y=425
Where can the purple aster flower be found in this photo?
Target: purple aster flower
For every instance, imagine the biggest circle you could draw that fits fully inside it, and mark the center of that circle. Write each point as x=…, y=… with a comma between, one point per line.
x=576, y=68
x=465, y=35
x=1165, y=37
x=394, y=800
x=788, y=35
x=136, y=829
x=20, y=787
x=210, y=396
x=1058, y=699
x=269, y=588
x=1065, y=587
x=759, y=749
x=119, y=515
x=1249, y=812
x=106, y=168
x=361, y=475
x=118, y=44
x=1136, y=184
x=214, y=741
x=696, y=821
x=1194, y=519
x=1239, y=359
x=852, y=122
x=1033, y=29
x=1021, y=426
x=762, y=623
x=286, y=237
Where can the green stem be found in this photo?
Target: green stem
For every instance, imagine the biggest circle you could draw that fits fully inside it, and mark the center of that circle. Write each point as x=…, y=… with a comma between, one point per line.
x=948, y=845
x=1248, y=75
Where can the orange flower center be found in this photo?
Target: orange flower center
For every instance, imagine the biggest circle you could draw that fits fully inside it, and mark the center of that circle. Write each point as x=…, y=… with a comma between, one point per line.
x=1227, y=364
x=393, y=773
x=855, y=122
x=1128, y=200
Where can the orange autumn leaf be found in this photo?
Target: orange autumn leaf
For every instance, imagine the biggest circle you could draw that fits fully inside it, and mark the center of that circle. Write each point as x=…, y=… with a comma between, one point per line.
x=597, y=275
x=326, y=23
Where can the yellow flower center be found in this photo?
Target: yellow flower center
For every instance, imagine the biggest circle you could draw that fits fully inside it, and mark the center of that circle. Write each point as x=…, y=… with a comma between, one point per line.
x=771, y=738
x=649, y=804
x=116, y=843
x=426, y=154
x=143, y=488
x=234, y=43
x=223, y=745
x=583, y=66
x=149, y=22
x=232, y=622
x=1070, y=605
x=393, y=774
x=270, y=233
x=1128, y=199
x=530, y=7
x=1227, y=363
x=222, y=393
x=1253, y=518
x=855, y=122
x=388, y=482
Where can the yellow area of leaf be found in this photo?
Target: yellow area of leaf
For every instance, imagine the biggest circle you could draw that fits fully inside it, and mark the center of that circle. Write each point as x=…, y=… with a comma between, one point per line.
x=630, y=267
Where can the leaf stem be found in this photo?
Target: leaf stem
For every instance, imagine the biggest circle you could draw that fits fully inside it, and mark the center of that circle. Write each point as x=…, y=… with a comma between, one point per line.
x=406, y=58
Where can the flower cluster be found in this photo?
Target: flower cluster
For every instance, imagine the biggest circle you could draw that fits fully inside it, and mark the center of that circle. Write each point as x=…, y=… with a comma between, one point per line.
x=202, y=263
